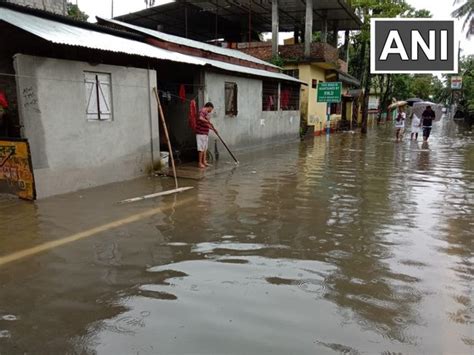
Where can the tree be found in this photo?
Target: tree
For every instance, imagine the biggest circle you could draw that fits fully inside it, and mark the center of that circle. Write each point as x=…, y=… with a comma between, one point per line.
x=439, y=90
x=387, y=86
x=401, y=87
x=421, y=86
x=466, y=101
x=465, y=10
x=360, y=58
x=74, y=12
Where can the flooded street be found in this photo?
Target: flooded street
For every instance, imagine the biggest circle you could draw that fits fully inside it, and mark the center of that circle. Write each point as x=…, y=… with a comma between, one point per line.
x=351, y=244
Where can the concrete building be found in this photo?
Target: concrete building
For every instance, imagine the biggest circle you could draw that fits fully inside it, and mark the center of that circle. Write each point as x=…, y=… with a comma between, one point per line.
x=323, y=65
x=81, y=94
x=237, y=88
x=87, y=123
x=238, y=26
x=55, y=6
x=75, y=142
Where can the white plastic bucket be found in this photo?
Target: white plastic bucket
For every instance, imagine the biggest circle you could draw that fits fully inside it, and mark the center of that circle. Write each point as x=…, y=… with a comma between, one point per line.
x=164, y=159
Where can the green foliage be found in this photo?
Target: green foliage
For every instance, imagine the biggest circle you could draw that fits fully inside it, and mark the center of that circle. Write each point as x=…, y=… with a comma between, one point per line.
x=421, y=86
x=317, y=37
x=366, y=9
x=439, y=90
x=430, y=87
x=278, y=61
x=466, y=102
x=401, y=86
x=387, y=86
x=466, y=11
x=74, y=12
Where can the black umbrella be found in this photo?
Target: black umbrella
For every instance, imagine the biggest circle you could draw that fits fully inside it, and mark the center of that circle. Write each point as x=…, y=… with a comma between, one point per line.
x=413, y=100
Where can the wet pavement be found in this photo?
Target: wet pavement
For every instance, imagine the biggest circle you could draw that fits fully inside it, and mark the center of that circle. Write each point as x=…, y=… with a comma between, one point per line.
x=354, y=245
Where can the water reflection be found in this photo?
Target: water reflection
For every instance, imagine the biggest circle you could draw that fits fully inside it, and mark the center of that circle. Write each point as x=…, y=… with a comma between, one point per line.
x=349, y=244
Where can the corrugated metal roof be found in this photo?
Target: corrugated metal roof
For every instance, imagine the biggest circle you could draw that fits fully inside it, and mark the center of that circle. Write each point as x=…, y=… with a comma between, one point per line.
x=189, y=42
x=66, y=34
x=251, y=71
x=61, y=33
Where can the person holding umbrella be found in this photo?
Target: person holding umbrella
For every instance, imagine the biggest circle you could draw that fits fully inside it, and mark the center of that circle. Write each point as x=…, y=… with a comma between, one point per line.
x=427, y=118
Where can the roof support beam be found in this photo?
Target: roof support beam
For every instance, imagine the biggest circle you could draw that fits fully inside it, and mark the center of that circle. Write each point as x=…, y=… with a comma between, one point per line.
x=324, y=31
x=335, y=32
x=275, y=28
x=308, y=31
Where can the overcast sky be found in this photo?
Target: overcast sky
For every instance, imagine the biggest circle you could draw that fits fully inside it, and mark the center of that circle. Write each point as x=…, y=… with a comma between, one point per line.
x=441, y=9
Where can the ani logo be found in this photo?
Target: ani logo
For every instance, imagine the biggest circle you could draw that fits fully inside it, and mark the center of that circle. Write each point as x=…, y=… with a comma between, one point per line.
x=413, y=46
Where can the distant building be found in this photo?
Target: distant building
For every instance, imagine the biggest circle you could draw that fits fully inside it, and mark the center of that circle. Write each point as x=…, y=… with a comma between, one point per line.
x=323, y=65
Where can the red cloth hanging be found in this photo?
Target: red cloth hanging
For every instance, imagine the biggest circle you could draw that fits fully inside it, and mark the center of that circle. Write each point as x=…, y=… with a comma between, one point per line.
x=284, y=99
x=182, y=92
x=270, y=103
x=3, y=100
x=192, y=115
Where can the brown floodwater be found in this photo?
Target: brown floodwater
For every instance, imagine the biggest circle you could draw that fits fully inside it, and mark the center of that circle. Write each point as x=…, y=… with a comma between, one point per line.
x=354, y=245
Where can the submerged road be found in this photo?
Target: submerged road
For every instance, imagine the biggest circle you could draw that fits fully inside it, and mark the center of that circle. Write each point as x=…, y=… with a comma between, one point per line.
x=355, y=245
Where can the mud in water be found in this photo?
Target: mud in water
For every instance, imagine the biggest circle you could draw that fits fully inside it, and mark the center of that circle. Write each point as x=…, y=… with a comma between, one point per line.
x=353, y=245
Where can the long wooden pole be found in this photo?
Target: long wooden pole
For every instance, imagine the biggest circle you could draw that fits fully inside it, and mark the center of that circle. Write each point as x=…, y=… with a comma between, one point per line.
x=163, y=122
x=225, y=145
x=158, y=194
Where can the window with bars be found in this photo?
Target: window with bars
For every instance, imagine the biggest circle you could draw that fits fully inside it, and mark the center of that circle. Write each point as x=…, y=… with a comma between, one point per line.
x=231, y=99
x=270, y=96
x=98, y=96
x=336, y=108
x=289, y=97
x=295, y=73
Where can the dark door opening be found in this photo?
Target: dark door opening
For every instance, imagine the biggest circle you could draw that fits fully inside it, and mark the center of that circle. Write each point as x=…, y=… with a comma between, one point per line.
x=178, y=84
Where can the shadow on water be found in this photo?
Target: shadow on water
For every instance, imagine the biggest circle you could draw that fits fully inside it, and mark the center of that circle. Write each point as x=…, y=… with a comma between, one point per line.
x=349, y=244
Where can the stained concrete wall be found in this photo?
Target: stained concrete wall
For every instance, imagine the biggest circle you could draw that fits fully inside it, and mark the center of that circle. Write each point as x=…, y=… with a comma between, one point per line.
x=68, y=151
x=56, y=6
x=252, y=127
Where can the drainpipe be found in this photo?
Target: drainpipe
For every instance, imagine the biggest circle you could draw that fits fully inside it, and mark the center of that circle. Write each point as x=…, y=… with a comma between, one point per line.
x=151, y=120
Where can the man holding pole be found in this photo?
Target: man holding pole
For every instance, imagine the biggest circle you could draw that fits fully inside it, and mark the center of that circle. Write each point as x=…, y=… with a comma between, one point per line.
x=203, y=125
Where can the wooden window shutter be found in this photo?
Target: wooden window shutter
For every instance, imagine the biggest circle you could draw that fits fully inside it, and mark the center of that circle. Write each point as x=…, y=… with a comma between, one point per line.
x=105, y=96
x=91, y=97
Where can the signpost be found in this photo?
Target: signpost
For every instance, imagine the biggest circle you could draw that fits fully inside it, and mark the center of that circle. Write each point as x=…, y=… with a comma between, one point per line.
x=456, y=82
x=329, y=93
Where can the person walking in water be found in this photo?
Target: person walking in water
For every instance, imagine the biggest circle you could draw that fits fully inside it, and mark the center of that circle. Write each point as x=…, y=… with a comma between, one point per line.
x=427, y=118
x=415, y=126
x=400, y=124
x=203, y=125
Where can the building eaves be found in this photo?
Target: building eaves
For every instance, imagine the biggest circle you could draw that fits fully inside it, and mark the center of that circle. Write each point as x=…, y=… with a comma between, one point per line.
x=68, y=20
x=71, y=35
x=188, y=42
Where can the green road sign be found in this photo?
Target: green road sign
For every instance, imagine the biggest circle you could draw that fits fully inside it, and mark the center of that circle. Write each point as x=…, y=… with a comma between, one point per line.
x=329, y=92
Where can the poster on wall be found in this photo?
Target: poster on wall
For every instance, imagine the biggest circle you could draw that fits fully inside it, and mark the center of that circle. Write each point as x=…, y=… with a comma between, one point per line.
x=16, y=170
x=313, y=120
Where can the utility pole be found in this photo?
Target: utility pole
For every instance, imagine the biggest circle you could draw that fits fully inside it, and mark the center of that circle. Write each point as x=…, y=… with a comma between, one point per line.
x=308, y=32
x=112, y=9
x=275, y=28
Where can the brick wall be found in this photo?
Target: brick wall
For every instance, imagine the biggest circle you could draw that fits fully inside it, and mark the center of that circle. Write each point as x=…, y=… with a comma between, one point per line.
x=320, y=52
x=56, y=6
